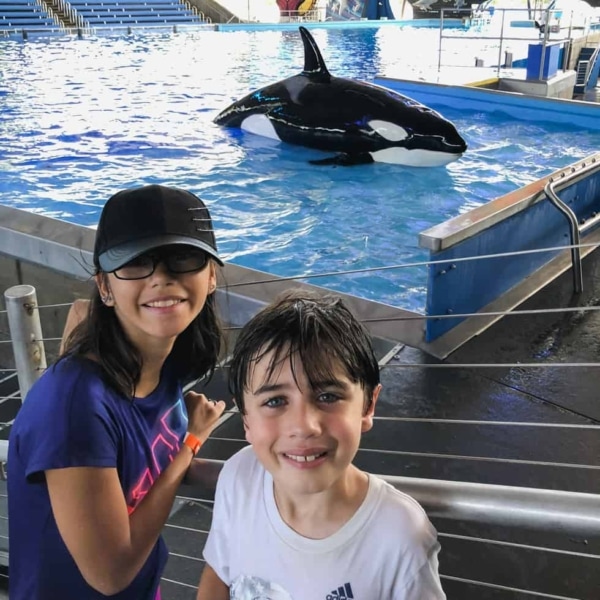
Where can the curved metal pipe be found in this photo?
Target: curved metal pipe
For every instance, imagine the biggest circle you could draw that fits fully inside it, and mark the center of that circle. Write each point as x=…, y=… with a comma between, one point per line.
x=545, y=510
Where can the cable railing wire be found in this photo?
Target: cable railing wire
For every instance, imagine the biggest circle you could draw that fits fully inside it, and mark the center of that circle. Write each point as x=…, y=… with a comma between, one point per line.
x=196, y=500
x=505, y=588
x=516, y=461
x=187, y=585
x=236, y=412
x=492, y=423
x=186, y=556
x=388, y=267
x=514, y=365
x=491, y=313
x=481, y=540
x=417, y=317
x=424, y=263
x=190, y=529
x=468, y=538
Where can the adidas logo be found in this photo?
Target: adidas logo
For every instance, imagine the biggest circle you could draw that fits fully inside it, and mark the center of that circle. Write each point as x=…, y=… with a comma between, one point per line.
x=342, y=593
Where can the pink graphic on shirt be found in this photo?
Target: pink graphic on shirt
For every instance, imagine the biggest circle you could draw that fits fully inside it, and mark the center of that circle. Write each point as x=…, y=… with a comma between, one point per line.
x=164, y=448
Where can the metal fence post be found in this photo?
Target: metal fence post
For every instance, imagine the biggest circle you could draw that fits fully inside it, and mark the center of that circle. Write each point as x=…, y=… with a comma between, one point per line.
x=26, y=334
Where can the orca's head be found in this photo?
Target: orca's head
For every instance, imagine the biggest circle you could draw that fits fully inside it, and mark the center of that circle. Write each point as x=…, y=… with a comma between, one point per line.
x=429, y=141
x=423, y=131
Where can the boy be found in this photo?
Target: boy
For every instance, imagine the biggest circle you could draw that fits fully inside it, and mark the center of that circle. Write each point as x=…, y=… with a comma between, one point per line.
x=294, y=519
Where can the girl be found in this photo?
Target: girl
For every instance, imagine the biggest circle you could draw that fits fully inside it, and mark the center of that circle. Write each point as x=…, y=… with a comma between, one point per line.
x=105, y=437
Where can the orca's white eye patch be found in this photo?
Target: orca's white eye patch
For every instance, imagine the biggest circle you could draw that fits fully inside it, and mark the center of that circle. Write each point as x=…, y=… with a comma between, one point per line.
x=260, y=125
x=389, y=131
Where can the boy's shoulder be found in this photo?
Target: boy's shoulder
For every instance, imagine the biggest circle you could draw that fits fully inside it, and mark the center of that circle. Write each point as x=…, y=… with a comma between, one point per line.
x=400, y=511
x=242, y=468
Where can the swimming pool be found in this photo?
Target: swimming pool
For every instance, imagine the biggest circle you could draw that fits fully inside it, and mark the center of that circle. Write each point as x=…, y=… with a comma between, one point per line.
x=80, y=119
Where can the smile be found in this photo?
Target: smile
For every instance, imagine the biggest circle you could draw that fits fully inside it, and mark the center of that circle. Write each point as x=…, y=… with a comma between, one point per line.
x=163, y=303
x=303, y=459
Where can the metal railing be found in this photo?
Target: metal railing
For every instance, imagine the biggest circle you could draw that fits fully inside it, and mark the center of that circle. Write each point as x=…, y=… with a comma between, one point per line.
x=575, y=228
x=494, y=28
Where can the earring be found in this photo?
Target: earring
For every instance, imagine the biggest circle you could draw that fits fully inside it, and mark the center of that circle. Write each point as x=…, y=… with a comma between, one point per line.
x=105, y=299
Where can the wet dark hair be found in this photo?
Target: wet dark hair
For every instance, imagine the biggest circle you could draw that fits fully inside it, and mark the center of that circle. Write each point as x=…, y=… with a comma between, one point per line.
x=319, y=330
x=194, y=355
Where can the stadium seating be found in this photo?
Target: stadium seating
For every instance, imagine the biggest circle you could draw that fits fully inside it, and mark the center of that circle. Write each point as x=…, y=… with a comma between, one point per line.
x=23, y=14
x=28, y=15
x=98, y=13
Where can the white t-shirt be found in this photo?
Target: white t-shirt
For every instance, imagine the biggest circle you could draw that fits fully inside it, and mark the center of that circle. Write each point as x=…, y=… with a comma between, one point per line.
x=386, y=551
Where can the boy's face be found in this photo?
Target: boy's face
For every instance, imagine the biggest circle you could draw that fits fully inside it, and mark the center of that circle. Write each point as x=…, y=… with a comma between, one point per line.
x=306, y=438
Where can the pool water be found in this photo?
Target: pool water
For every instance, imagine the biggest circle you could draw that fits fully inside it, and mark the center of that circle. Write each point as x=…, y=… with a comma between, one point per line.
x=81, y=119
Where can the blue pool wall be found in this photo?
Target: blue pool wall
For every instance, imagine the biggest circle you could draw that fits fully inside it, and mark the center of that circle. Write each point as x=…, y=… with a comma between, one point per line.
x=517, y=106
x=33, y=34
x=368, y=23
x=468, y=286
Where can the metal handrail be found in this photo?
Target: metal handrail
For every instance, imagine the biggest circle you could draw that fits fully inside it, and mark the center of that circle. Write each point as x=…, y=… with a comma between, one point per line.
x=501, y=37
x=571, y=513
x=575, y=229
x=584, y=68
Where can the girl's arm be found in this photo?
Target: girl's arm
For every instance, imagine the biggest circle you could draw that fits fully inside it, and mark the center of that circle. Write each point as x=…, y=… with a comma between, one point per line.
x=108, y=545
x=211, y=587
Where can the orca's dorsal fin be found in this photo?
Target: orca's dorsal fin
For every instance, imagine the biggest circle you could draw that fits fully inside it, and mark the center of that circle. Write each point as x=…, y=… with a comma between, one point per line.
x=314, y=65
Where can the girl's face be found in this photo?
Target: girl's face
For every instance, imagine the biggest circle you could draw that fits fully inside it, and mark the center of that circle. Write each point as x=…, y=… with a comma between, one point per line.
x=154, y=310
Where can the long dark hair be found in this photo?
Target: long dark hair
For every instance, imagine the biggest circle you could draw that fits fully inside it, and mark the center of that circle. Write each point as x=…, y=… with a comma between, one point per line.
x=194, y=355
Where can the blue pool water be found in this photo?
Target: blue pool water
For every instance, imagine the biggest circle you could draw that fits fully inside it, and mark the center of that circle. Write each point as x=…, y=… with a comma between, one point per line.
x=81, y=119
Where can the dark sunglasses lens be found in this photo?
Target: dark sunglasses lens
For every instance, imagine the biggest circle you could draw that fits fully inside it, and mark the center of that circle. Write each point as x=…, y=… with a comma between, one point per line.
x=180, y=261
x=186, y=261
x=138, y=268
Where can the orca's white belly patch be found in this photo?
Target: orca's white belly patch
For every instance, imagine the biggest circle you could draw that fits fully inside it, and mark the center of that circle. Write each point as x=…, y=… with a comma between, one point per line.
x=413, y=158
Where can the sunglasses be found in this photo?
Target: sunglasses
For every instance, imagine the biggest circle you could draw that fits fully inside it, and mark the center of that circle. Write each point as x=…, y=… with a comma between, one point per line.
x=185, y=260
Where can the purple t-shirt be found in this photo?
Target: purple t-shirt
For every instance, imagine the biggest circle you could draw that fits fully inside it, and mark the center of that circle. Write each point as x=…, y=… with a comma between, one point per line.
x=71, y=418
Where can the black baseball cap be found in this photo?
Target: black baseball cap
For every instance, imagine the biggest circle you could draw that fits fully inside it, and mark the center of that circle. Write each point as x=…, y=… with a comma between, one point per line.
x=136, y=220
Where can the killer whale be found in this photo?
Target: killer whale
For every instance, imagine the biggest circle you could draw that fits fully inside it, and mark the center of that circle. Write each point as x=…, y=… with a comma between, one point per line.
x=359, y=121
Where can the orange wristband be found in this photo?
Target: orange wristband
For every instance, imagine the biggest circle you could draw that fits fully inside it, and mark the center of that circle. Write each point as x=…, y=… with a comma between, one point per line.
x=192, y=442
